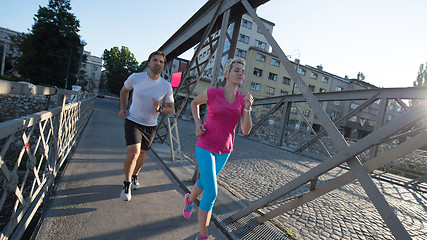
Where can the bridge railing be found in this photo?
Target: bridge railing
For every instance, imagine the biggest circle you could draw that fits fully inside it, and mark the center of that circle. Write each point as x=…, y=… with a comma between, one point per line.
x=375, y=106
x=33, y=149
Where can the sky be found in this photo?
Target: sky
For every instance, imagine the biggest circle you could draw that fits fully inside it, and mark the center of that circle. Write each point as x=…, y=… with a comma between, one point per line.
x=386, y=40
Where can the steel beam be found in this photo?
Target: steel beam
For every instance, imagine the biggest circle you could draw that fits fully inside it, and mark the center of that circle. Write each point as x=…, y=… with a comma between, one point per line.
x=220, y=49
x=192, y=31
x=401, y=93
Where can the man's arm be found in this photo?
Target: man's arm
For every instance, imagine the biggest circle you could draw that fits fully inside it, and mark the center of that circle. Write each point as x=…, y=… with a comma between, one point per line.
x=124, y=95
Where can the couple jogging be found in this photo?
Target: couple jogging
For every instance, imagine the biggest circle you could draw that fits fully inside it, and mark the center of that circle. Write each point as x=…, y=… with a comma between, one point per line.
x=225, y=107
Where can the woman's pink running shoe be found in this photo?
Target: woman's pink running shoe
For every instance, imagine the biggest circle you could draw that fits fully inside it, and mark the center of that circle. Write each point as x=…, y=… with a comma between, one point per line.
x=188, y=207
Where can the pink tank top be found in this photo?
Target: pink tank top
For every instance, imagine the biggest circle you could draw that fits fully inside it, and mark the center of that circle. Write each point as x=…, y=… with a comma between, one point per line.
x=221, y=121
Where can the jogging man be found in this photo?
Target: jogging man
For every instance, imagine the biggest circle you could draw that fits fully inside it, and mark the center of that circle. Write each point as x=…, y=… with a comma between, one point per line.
x=151, y=96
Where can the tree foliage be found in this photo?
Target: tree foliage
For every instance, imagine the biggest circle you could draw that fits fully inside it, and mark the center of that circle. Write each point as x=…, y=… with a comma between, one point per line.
x=360, y=76
x=119, y=65
x=421, y=77
x=51, y=50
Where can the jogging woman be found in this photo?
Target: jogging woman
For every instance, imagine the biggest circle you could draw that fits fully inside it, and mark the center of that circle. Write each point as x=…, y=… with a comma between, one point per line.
x=225, y=106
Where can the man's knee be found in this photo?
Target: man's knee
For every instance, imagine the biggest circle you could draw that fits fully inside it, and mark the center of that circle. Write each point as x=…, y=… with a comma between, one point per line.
x=133, y=151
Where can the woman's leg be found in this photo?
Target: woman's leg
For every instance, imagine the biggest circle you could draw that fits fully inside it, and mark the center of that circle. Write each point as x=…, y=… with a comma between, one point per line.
x=195, y=193
x=209, y=166
x=204, y=220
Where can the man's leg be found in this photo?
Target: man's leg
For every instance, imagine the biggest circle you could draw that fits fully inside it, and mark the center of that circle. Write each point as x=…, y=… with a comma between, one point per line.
x=131, y=159
x=140, y=161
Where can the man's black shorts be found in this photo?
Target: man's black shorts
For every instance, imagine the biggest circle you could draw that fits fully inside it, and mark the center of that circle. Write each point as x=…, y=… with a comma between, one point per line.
x=137, y=133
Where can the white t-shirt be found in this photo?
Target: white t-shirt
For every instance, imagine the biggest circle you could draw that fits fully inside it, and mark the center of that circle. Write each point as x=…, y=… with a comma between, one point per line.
x=144, y=90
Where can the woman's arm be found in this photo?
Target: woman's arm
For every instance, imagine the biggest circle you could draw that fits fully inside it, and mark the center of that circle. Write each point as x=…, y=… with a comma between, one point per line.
x=246, y=120
x=199, y=100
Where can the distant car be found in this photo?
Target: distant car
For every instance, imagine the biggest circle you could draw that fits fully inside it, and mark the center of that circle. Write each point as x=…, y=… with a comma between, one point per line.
x=101, y=95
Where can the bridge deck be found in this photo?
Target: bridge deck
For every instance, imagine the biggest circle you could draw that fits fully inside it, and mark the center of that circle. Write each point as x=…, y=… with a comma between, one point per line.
x=86, y=204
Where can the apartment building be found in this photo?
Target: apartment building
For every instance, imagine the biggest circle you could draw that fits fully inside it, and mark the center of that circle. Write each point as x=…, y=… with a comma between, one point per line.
x=92, y=72
x=249, y=36
x=266, y=77
x=6, y=49
x=364, y=121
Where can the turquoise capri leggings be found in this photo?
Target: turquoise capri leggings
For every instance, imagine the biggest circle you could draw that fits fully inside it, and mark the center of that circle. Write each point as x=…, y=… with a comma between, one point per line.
x=210, y=165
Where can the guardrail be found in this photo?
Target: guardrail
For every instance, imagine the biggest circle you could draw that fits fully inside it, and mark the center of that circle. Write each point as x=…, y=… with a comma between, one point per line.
x=33, y=149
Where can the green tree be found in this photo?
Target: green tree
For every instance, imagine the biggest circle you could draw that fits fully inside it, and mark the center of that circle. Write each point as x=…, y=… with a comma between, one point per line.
x=119, y=65
x=421, y=77
x=360, y=76
x=51, y=50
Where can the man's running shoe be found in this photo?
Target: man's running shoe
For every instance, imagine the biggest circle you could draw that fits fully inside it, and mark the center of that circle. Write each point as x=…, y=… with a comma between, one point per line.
x=134, y=182
x=188, y=207
x=126, y=192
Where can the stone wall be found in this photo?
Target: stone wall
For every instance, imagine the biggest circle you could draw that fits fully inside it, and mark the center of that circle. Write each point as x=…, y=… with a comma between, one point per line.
x=15, y=106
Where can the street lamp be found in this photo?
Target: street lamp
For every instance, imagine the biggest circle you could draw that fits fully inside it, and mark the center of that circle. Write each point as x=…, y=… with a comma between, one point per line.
x=68, y=68
x=293, y=86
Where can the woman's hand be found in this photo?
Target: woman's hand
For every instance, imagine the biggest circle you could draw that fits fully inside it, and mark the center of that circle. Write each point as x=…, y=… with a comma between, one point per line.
x=200, y=130
x=248, y=101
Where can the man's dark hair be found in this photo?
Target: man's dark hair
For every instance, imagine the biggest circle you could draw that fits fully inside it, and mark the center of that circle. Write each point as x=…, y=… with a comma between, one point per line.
x=157, y=53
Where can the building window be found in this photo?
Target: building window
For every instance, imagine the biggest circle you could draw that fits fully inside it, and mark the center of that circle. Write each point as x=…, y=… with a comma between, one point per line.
x=246, y=24
x=339, y=89
x=374, y=112
x=301, y=71
x=333, y=116
x=258, y=72
x=269, y=90
x=353, y=119
x=325, y=79
x=313, y=75
x=286, y=81
x=272, y=76
x=337, y=103
x=255, y=86
x=354, y=106
x=311, y=87
x=283, y=92
x=322, y=90
x=294, y=110
x=306, y=113
x=260, y=45
x=275, y=62
x=267, y=105
x=241, y=53
x=243, y=38
x=260, y=57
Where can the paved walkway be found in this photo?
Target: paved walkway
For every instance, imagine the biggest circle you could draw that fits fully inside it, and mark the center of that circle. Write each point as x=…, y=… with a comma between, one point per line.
x=86, y=204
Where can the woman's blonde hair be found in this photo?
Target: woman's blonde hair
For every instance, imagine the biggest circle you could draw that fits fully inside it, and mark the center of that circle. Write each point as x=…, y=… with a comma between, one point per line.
x=229, y=64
